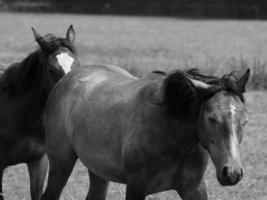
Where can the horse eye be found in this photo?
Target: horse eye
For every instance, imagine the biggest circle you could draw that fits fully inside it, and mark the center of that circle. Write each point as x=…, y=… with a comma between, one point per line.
x=213, y=141
x=51, y=71
x=245, y=122
x=212, y=120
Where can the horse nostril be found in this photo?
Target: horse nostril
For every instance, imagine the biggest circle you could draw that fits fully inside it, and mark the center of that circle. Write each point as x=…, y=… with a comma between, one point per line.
x=51, y=71
x=225, y=172
x=241, y=173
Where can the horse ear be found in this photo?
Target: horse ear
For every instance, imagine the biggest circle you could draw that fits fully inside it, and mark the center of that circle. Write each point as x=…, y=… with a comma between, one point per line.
x=242, y=82
x=199, y=84
x=37, y=36
x=204, y=90
x=70, y=36
x=40, y=40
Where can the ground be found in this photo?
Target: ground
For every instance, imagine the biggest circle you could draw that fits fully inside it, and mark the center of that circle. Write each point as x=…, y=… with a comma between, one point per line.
x=144, y=44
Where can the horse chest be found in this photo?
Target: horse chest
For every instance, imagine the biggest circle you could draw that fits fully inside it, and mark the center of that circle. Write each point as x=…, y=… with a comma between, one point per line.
x=14, y=123
x=22, y=150
x=175, y=177
x=163, y=179
x=160, y=173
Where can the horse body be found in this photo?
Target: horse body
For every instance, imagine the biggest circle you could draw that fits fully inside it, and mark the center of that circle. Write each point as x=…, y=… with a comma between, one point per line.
x=118, y=126
x=97, y=114
x=24, y=88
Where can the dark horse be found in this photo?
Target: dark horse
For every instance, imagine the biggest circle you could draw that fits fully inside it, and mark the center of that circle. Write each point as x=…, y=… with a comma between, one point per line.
x=24, y=88
x=153, y=133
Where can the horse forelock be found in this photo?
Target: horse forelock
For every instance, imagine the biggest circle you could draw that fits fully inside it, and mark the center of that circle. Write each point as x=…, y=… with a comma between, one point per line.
x=53, y=43
x=230, y=83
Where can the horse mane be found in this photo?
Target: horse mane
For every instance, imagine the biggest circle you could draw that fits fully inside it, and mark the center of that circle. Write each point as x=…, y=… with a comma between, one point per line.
x=181, y=96
x=228, y=82
x=19, y=77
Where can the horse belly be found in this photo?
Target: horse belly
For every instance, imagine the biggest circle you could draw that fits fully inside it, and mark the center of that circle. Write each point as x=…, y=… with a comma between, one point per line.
x=103, y=160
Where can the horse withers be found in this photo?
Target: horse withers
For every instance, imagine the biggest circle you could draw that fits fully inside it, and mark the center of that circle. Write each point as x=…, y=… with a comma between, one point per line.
x=153, y=134
x=24, y=88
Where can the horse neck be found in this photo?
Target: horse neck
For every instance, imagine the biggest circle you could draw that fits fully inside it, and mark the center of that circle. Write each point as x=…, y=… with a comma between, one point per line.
x=35, y=94
x=167, y=133
x=39, y=94
x=182, y=134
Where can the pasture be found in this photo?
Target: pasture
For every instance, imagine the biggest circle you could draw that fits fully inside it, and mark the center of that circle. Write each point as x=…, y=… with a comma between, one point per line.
x=144, y=44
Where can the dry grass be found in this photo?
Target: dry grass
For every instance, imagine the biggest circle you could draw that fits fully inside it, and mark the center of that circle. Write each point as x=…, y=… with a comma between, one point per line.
x=144, y=44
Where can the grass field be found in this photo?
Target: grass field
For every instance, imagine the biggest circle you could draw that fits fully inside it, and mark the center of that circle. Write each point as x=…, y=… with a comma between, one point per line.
x=144, y=44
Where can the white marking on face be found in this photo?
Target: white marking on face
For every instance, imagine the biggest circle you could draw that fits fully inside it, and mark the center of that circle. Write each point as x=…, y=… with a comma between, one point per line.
x=232, y=109
x=199, y=84
x=65, y=61
x=234, y=149
x=233, y=138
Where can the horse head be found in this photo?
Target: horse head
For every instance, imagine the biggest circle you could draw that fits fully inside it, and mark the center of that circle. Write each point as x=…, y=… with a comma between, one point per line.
x=58, y=56
x=221, y=123
x=216, y=106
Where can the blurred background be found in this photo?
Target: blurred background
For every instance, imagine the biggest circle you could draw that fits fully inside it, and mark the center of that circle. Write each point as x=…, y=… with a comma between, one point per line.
x=217, y=36
x=186, y=8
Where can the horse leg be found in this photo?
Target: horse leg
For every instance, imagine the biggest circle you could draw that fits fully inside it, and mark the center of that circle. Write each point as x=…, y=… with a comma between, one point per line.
x=37, y=171
x=193, y=186
x=134, y=191
x=1, y=179
x=98, y=188
x=61, y=162
x=195, y=193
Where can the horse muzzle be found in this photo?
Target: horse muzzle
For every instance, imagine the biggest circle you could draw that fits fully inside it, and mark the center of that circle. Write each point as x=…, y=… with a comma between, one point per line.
x=230, y=175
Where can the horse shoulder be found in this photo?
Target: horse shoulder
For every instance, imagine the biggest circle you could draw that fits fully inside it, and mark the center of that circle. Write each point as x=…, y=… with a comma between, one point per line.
x=194, y=165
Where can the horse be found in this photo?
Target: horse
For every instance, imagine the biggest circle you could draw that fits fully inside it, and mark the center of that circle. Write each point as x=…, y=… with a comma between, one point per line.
x=153, y=134
x=24, y=88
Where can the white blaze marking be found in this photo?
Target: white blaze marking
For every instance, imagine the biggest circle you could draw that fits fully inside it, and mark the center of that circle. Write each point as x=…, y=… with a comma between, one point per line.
x=233, y=137
x=65, y=61
x=233, y=109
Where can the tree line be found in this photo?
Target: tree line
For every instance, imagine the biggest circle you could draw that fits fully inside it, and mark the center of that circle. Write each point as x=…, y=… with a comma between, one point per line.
x=187, y=8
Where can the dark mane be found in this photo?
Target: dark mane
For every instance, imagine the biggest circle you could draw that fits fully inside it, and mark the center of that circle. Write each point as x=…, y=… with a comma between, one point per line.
x=180, y=95
x=19, y=76
x=228, y=82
